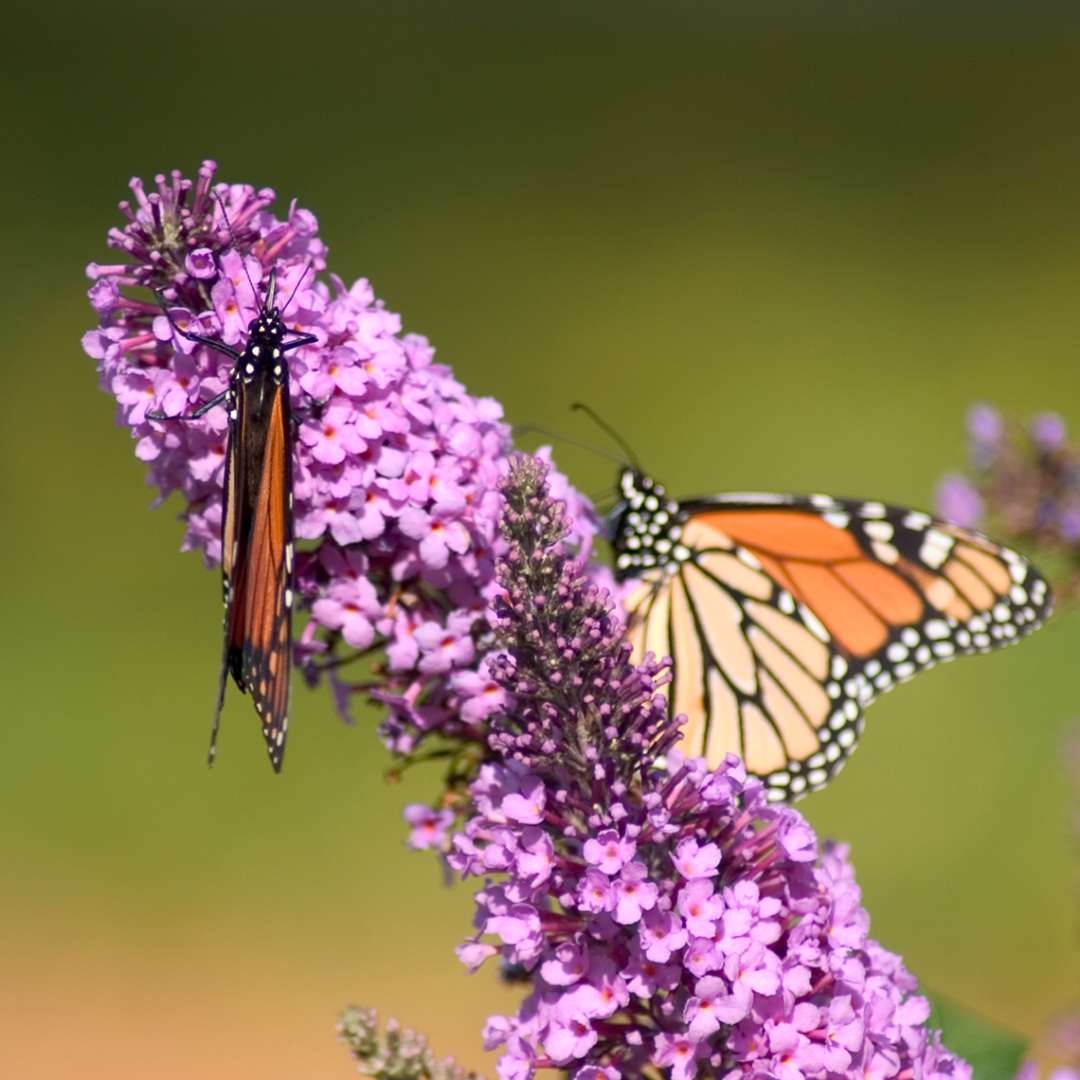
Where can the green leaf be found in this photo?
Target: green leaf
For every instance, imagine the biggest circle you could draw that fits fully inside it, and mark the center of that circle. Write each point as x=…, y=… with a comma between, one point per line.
x=992, y=1053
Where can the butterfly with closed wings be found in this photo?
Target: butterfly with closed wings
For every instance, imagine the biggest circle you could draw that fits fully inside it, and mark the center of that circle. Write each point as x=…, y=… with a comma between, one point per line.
x=256, y=518
x=786, y=615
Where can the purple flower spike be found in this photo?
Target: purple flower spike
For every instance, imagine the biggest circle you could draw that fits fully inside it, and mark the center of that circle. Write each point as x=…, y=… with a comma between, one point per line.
x=672, y=919
x=1023, y=481
x=396, y=467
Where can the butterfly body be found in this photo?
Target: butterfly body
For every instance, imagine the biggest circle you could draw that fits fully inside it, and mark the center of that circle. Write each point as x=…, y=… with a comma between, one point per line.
x=785, y=615
x=257, y=521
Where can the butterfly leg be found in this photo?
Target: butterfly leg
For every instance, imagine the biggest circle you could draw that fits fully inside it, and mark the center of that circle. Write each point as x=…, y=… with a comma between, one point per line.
x=201, y=411
x=215, y=727
x=310, y=411
x=317, y=404
x=199, y=339
x=296, y=343
x=316, y=407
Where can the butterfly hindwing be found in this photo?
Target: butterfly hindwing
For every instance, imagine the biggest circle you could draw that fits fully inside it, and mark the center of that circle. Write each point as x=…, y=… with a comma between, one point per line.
x=785, y=616
x=235, y=519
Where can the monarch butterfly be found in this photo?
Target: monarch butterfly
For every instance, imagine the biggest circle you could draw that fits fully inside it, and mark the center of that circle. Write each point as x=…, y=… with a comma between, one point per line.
x=786, y=615
x=256, y=519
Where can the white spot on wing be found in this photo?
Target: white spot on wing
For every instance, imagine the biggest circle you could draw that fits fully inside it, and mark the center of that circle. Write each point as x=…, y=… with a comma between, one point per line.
x=879, y=530
x=885, y=553
x=935, y=548
x=813, y=624
x=916, y=520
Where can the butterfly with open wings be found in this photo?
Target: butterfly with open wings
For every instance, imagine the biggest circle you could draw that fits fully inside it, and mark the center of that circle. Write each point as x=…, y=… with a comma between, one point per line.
x=785, y=615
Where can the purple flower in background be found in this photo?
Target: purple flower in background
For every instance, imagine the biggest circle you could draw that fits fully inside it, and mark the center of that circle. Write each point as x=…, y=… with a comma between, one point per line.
x=985, y=427
x=957, y=501
x=396, y=466
x=668, y=917
x=1048, y=431
x=1024, y=482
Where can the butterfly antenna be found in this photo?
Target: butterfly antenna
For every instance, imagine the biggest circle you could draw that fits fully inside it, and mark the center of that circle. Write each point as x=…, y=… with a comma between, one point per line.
x=604, y=501
x=299, y=282
x=535, y=429
x=580, y=406
x=232, y=237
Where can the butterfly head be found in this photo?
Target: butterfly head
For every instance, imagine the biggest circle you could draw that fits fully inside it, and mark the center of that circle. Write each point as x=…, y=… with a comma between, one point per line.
x=644, y=526
x=266, y=327
x=264, y=337
x=264, y=350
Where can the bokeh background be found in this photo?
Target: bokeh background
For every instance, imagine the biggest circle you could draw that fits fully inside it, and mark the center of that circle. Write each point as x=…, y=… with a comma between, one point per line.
x=779, y=250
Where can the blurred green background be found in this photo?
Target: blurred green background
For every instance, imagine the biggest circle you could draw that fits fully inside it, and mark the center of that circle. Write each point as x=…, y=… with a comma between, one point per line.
x=777, y=251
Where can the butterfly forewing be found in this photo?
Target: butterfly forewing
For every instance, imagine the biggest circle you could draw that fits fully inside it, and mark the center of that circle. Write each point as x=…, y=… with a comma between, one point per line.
x=785, y=616
x=258, y=534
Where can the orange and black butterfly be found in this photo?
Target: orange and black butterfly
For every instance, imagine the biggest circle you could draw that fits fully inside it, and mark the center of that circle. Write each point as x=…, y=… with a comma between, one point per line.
x=786, y=615
x=257, y=519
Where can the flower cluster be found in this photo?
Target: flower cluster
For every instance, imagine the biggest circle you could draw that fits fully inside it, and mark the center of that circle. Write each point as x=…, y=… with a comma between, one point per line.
x=400, y=1054
x=1022, y=479
x=396, y=466
x=668, y=917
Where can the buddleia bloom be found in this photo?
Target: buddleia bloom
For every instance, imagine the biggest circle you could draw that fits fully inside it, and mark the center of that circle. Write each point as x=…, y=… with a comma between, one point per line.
x=396, y=465
x=666, y=917
x=1023, y=479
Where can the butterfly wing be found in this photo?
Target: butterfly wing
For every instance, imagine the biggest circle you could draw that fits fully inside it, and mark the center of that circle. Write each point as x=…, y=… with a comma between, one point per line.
x=235, y=522
x=257, y=556
x=786, y=616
